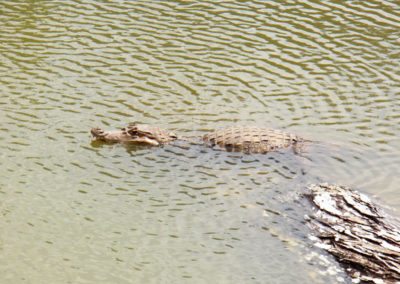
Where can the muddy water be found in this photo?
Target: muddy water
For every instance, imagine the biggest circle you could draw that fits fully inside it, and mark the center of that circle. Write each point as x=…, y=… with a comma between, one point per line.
x=72, y=212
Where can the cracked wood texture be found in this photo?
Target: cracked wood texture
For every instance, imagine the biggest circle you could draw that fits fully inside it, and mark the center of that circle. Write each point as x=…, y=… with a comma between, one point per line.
x=357, y=232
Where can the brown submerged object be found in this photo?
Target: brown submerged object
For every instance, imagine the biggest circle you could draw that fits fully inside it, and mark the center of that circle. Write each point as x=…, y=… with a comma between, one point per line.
x=238, y=139
x=357, y=232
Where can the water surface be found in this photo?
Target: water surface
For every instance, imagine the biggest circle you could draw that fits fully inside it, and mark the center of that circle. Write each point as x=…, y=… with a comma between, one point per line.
x=75, y=213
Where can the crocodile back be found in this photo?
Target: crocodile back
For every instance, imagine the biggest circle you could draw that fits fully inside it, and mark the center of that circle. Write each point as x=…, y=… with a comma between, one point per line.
x=250, y=139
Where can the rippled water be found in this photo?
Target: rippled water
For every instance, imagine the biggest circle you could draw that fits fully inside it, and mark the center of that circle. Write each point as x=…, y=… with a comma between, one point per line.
x=75, y=213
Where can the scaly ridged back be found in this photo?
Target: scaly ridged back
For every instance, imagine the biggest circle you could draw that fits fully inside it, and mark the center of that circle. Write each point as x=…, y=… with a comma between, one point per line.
x=250, y=139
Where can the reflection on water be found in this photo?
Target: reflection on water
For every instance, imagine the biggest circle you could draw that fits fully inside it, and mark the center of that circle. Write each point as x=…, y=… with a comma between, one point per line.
x=73, y=212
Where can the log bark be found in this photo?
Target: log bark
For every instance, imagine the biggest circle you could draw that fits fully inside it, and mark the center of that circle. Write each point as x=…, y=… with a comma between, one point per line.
x=357, y=232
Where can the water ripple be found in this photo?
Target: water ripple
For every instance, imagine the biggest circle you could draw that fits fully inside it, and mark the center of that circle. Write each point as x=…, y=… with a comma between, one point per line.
x=327, y=70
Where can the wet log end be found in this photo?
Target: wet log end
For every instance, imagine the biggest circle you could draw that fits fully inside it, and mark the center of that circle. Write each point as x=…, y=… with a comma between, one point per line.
x=357, y=232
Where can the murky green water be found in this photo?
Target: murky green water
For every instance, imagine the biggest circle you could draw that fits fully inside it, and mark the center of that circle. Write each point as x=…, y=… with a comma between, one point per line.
x=74, y=213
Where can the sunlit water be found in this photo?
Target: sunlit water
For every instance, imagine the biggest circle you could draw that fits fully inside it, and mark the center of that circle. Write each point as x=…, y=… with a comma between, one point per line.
x=73, y=212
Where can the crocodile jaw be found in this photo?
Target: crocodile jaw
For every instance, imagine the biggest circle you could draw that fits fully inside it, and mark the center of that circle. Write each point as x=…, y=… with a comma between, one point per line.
x=144, y=140
x=121, y=136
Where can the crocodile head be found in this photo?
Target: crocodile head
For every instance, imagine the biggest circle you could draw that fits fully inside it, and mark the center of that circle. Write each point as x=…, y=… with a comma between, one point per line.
x=135, y=133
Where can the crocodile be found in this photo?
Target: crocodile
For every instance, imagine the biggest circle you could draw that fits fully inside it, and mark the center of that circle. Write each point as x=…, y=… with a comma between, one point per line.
x=345, y=223
x=246, y=139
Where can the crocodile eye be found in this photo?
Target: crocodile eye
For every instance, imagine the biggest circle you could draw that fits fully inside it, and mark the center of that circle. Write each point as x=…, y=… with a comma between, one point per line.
x=133, y=133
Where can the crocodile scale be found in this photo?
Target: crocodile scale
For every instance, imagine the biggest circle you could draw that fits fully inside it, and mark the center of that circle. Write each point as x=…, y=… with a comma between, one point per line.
x=250, y=139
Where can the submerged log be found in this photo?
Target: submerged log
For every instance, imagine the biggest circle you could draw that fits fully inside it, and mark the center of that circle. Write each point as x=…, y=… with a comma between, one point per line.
x=357, y=232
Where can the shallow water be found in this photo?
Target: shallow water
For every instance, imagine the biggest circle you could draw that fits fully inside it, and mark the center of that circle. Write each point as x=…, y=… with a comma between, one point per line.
x=73, y=212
